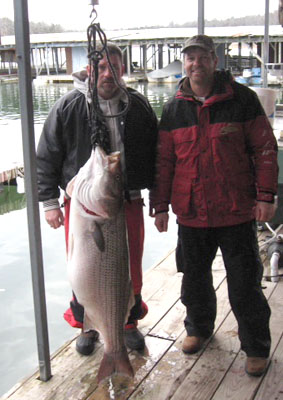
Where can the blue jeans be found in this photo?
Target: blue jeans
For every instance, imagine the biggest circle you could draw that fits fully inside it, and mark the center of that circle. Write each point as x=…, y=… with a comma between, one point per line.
x=195, y=253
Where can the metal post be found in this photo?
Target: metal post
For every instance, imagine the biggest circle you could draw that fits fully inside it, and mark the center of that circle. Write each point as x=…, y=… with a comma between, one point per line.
x=47, y=59
x=200, y=17
x=24, y=68
x=266, y=44
x=160, y=56
x=129, y=60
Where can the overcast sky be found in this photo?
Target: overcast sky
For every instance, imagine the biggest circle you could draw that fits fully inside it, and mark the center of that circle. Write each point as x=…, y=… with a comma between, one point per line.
x=112, y=14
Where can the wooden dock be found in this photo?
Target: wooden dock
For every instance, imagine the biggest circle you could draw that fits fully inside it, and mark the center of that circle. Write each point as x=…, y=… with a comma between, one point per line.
x=11, y=172
x=162, y=371
x=46, y=79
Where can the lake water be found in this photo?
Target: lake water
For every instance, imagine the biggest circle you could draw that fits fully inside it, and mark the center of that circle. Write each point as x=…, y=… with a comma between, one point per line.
x=18, y=349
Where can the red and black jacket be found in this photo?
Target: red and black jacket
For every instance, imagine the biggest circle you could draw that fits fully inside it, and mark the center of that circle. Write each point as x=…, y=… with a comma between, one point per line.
x=215, y=158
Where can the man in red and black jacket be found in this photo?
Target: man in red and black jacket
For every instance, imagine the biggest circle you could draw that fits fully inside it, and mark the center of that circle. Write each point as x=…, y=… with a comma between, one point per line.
x=217, y=167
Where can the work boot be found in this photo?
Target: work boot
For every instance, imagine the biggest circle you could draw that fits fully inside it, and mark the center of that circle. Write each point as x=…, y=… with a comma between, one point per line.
x=134, y=339
x=86, y=341
x=192, y=344
x=256, y=366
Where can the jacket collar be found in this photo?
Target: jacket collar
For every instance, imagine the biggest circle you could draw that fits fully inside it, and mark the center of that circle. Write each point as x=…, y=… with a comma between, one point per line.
x=222, y=88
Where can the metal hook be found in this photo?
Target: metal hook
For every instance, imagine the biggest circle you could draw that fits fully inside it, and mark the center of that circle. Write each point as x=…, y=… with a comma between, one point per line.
x=93, y=11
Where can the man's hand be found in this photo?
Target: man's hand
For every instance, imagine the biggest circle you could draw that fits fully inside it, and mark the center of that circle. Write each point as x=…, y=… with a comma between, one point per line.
x=264, y=212
x=54, y=218
x=161, y=221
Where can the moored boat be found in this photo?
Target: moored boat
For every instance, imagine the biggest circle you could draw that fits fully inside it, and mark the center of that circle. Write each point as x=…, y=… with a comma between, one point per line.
x=172, y=73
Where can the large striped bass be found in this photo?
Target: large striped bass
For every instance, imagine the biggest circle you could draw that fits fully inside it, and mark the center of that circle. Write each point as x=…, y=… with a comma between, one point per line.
x=98, y=261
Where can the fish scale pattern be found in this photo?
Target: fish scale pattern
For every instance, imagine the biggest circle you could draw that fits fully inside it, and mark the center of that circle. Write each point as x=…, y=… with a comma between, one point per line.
x=99, y=277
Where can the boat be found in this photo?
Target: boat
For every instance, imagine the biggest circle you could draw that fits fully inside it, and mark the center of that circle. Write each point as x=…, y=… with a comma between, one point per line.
x=172, y=73
x=274, y=73
x=252, y=77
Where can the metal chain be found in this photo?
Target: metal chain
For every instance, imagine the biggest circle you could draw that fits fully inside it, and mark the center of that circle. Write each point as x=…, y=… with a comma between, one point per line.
x=99, y=130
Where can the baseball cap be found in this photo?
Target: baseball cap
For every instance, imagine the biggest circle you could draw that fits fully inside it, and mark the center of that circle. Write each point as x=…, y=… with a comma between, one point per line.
x=202, y=41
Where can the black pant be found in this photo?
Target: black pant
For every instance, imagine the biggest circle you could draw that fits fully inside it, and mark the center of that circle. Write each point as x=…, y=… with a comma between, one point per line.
x=196, y=251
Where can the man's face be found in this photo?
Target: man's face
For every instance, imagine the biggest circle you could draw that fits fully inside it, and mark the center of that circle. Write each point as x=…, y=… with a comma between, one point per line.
x=106, y=85
x=199, y=65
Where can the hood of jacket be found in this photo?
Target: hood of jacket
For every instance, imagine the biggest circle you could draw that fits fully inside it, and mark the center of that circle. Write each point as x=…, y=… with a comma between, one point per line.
x=81, y=81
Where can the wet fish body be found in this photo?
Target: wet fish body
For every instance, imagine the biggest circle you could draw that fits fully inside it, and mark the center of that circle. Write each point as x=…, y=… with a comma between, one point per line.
x=98, y=260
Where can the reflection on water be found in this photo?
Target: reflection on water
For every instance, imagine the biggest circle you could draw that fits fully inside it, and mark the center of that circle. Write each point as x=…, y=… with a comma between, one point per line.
x=44, y=97
x=18, y=348
x=157, y=94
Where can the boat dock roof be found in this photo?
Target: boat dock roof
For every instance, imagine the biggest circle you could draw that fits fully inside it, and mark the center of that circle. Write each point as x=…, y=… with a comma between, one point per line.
x=225, y=34
x=163, y=371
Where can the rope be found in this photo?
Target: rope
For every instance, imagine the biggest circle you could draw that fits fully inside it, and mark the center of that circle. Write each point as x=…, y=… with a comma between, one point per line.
x=99, y=131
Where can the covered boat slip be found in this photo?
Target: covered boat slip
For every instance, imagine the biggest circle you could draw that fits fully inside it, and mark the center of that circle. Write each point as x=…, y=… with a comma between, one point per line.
x=163, y=371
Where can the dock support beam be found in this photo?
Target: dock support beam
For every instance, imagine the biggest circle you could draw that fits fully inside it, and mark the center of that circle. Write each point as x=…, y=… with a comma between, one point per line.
x=23, y=58
x=200, y=17
x=160, y=56
x=266, y=43
x=129, y=60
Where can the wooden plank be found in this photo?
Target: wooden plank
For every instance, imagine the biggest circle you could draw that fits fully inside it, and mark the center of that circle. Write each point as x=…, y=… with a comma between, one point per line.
x=167, y=374
x=172, y=325
x=67, y=360
x=62, y=367
x=11, y=171
x=211, y=368
x=158, y=275
x=170, y=372
x=236, y=383
x=120, y=388
x=160, y=302
x=272, y=386
x=207, y=373
x=163, y=371
x=82, y=381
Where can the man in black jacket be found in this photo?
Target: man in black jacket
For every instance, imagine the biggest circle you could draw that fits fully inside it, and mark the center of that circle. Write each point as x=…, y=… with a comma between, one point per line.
x=65, y=146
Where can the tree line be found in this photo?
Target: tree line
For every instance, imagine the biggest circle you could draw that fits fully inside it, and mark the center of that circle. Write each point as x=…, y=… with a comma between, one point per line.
x=7, y=25
x=251, y=20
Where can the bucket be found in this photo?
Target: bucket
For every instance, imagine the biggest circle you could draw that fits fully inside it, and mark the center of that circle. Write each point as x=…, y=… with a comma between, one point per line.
x=267, y=97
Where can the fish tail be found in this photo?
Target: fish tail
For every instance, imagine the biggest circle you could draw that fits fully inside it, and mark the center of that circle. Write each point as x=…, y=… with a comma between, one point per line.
x=115, y=363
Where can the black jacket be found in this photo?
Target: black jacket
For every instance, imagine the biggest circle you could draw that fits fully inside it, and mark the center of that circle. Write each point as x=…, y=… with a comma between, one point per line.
x=65, y=145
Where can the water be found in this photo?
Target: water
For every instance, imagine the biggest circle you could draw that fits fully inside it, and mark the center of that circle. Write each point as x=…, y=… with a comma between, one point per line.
x=18, y=348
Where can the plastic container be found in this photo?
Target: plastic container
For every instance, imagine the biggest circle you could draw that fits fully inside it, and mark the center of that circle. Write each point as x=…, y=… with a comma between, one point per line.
x=267, y=97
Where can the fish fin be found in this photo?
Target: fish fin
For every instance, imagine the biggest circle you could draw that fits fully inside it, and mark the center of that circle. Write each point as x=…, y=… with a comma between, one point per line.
x=70, y=186
x=70, y=247
x=115, y=363
x=98, y=237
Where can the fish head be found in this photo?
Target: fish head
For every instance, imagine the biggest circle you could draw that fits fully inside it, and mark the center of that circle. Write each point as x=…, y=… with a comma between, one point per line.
x=108, y=183
x=98, y=187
